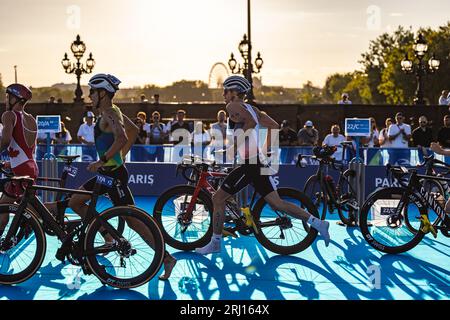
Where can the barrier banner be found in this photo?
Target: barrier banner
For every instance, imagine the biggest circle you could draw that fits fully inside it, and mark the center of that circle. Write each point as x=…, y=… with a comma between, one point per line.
x=154, y=178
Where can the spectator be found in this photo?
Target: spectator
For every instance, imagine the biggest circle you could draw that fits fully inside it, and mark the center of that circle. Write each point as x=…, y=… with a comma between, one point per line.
x=144, y=98
x=156, y=98
x=422, y=137
x=143, y=116
x=180, y=124
x=334, y=139
x=383, y=136
x=85, y=113
x=444, y=98
x=372, y=141
x=51, y=100
x=288, y=137
x=142, y=134
x=169, y=124
x=156, y=132
x=86, y=131
x=62, y=137
x=200, y=136
x=399, y=134
x=345, y=99
x=308, y=135
x=60, y=100
x=443, y=136
x=219, y=130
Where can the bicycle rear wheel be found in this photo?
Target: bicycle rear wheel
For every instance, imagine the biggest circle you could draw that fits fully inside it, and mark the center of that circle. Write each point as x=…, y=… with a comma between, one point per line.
x=383, y=229
x=282, y=233
x=21, y=256
x=348, y=203
x=313, y=190
x=132, y=261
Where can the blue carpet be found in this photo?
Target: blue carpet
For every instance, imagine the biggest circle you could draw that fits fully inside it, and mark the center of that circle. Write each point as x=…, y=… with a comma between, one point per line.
x=245, y=270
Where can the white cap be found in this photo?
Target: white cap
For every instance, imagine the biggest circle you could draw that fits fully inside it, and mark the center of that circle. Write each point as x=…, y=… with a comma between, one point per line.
x=308, y=123
x=90, y=114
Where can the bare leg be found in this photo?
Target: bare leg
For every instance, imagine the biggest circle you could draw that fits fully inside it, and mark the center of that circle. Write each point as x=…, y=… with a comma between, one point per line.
x=4, y=218
x=219, y=201
x=285, y=206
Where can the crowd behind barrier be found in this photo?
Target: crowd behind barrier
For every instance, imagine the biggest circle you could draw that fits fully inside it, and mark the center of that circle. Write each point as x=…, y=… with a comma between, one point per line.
x=286, y=155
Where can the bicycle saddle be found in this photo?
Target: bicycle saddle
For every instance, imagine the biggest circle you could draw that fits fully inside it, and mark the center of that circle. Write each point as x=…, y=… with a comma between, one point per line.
x=68, y=158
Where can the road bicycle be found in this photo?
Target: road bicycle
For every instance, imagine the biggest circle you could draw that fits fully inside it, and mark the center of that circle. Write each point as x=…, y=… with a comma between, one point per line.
x=395, y=219
x=322, y=189
x=131, y=259
x=184, y=213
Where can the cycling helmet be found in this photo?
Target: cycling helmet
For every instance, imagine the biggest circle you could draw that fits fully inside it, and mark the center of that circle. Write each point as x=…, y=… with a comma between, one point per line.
x=19, y=91
x=238, y=83
x=104, y=81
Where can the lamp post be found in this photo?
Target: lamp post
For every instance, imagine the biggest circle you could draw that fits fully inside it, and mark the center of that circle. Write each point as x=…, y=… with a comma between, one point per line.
x=78, y=49
x=245, y=48
x=420, y=69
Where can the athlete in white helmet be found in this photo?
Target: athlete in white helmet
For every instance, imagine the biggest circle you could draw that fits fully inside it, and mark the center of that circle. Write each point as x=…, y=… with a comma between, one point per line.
x=114, y=136
x=235, y=89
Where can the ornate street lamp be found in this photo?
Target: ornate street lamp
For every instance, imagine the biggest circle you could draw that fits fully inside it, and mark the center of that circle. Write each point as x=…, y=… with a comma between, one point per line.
x=78, y=49
x=245, y=48
x=420, y=48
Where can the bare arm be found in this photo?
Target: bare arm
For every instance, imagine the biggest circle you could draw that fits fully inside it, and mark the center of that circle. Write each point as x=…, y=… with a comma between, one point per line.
x=132, y=132
x=8, y=119
x=120, y=136
x=435, y=147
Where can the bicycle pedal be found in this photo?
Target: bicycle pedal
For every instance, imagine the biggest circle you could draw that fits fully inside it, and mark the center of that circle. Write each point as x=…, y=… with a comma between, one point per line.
x=427, y=226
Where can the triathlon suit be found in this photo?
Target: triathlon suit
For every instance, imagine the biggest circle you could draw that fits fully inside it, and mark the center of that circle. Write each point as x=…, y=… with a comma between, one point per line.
x=250, y=171
x=21, y=156
x=120, y=193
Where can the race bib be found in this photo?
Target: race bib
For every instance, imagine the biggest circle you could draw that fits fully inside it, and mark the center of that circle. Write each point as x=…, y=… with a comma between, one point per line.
x=105, y=180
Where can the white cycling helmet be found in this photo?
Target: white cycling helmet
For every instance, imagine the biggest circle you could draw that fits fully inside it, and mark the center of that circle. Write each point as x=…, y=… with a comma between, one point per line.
x=104, y=81
x=238, y=83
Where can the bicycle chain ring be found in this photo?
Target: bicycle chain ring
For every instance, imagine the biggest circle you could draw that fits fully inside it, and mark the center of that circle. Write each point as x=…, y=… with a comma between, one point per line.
x=394, y=221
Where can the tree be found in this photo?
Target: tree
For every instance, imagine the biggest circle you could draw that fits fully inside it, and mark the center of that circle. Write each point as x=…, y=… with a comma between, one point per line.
x=310, y=94
x=358, y=88
x=381, y=64
x=335, y=85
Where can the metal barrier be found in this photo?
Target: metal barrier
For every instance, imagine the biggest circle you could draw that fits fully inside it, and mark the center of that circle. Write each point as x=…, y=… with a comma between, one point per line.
x=287, y=155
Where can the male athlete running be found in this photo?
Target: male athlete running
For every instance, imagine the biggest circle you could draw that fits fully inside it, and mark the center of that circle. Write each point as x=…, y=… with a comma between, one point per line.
x=114, y=135
x=19, y=137
x=235, y=89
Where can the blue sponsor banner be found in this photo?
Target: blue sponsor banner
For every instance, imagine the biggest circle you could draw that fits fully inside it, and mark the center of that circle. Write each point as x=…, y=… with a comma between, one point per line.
x=152, y=179
x=355, y=127
x=49, y=124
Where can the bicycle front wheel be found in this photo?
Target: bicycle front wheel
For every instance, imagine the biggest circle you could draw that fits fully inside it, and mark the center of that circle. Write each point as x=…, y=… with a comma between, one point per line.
x=181, y=230
x=385, y=229
x=280, y=232
x=135, y=258
x=22, y=255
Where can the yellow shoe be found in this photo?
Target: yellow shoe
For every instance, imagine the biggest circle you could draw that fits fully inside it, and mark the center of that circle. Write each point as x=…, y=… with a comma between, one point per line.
x=427, y=226
x=249, y=219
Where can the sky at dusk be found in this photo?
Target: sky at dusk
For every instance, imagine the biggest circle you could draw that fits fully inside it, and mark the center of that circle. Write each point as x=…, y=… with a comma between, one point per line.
x=162, y=41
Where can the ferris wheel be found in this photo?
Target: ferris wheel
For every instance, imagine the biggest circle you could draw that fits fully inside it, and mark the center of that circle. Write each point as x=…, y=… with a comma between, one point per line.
x=219, y=72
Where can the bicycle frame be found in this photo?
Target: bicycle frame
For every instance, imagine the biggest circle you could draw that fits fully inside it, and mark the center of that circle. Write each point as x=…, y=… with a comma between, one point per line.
x=30, y=199
x=424, y=198
x=203, y=184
